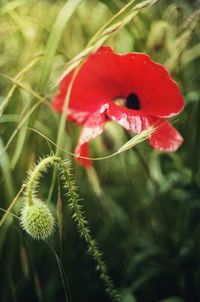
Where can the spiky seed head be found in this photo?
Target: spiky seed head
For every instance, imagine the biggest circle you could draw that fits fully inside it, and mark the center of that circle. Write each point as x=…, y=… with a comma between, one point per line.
x=37, y=220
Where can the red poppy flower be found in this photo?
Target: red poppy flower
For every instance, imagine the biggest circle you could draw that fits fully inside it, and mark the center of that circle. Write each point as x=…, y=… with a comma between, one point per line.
x=129, y=89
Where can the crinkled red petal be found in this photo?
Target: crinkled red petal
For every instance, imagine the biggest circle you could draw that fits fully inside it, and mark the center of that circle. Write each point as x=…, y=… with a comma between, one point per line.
x=92, y=128
x=131, y=120
x=166, y=137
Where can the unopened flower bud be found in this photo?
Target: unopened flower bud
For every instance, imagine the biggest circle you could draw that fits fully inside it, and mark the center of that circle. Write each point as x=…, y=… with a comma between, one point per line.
x=36, y=219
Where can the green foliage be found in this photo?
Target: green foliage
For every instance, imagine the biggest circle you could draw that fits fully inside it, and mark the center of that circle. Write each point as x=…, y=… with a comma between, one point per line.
x=143, y=206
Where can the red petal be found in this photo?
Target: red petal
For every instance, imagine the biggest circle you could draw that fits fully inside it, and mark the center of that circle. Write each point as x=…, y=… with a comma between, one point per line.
x=166, y=138
x=83, y=150
x=158, y=93
x=92, y=128
x=98, y=81
x=76, y=116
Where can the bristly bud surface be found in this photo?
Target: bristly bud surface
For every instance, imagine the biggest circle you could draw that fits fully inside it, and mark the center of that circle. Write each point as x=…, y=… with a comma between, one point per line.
x=37, y=220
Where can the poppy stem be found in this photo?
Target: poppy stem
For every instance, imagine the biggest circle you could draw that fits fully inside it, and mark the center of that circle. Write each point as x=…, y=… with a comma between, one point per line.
x=35, y=175
x=84, y=230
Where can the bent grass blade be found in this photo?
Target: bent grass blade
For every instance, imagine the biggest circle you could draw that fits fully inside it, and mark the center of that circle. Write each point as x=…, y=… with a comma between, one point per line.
x=18, y=77
x=54, y=38
x=145, y=134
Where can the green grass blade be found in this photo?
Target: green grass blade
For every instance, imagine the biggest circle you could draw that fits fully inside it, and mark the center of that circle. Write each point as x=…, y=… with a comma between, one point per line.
x=22, y=133
x=56, y=33
x=5, y=167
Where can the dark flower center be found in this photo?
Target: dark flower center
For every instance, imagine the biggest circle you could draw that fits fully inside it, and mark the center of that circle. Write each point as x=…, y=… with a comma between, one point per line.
x=132, y=101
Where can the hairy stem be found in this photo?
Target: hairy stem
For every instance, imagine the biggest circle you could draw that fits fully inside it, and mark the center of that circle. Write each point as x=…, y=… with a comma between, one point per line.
x=84, y=230
x=36, y=174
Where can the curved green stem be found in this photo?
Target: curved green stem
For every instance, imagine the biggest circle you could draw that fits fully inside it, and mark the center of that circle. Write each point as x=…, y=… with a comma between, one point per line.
x=32, y=182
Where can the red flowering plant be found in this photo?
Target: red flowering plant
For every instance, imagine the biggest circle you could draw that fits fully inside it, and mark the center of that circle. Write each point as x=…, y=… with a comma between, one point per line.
x=130, y=89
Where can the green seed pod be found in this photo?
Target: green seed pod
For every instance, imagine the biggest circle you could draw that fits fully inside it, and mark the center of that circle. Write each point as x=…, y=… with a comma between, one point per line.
x=36, y=219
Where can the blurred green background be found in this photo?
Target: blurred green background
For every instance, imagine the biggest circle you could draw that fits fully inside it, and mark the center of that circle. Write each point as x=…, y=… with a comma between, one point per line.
x=143, y=206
